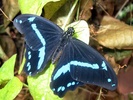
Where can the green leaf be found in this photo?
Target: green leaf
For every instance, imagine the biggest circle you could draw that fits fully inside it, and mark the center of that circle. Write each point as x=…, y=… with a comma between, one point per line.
x=52, y=7
x=33, y=6
x=11, y=89
x=7, y=70
x=39, y=85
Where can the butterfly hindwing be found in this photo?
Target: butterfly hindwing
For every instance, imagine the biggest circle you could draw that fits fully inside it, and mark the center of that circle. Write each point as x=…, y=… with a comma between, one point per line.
x=61, y=80
x=41, y=36
x=38, y=31
x=63, y=84
x=84, y=65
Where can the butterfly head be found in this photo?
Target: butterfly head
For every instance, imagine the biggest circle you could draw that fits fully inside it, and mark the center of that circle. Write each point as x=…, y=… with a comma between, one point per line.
x=70, y=31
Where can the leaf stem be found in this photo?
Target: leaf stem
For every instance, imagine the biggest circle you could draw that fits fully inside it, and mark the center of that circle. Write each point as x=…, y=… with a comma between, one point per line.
x=71, y=11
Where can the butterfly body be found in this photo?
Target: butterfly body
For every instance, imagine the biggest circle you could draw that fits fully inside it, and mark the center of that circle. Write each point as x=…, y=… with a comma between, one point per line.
x=63, y=42
x=77, y=63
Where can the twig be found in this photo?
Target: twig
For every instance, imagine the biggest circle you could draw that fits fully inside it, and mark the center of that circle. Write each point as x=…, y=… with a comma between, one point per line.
x=5, y=14
x=121, y=8
x=71, y=11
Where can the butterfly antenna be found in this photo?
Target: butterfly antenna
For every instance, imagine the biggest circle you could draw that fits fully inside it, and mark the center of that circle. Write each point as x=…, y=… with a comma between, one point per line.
x=70, y=13
x=5, y=15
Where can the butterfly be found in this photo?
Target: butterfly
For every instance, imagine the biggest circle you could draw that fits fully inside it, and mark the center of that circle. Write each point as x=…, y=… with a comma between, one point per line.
x=77, y=62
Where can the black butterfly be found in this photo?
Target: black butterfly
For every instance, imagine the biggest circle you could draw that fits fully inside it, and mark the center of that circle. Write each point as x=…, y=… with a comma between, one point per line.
x=78, y=64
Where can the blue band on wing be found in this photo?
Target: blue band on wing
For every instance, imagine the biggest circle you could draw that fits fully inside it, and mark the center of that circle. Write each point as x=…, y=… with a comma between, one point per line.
x=66, y=67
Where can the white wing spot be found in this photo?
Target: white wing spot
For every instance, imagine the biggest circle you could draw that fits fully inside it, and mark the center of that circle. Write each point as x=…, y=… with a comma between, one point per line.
x=20, y=21
x=30, y=73
x=109, y=80
x=53, y=89
x=73, y=83
x=69, y=84
x=31, y=19
x=29, y=66
x=16, y=21
x=113, y=85
x=104, y=66
x=61, y=88
x=29, y=55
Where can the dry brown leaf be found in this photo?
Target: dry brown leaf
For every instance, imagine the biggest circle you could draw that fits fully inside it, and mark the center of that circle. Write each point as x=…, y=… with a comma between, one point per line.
x=115, y=34
x=7, y=45
x=106, y=6
x=86, y=7
x=125, y=80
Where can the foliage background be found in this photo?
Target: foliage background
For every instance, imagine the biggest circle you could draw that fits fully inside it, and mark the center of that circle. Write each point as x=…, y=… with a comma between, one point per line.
x=110, y=24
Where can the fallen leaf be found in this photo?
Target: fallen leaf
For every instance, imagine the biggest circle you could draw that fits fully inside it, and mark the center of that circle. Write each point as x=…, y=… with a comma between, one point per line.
x=86, y=6
x=115, y=34
x=125, y=80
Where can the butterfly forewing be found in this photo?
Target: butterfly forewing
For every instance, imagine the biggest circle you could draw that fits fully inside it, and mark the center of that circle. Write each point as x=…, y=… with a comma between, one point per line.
x=38, y=31
x=41, y=36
